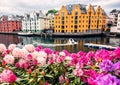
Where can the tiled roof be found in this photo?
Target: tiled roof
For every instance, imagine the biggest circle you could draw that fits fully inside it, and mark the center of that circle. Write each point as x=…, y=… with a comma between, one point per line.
x=103, y=12
x=115, y=11
x=69, y=8
x=82, y=8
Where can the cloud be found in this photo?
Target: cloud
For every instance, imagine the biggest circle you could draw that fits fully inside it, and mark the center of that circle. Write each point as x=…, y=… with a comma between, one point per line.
x=26, y=6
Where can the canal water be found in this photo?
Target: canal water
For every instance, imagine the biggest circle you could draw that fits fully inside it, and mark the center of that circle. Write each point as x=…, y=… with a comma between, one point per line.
x=15, y=39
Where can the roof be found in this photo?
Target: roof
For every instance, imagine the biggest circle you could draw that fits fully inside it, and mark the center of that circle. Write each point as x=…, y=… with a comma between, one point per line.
x=103, y=12
x=82, y=8
x=115, y=11
x=71, y=6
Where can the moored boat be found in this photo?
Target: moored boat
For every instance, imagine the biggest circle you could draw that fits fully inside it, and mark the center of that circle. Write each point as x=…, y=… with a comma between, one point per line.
x=25, y=33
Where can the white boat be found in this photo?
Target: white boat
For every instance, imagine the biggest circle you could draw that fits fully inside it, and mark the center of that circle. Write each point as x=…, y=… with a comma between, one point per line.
x=25, y=33
x=70, y=42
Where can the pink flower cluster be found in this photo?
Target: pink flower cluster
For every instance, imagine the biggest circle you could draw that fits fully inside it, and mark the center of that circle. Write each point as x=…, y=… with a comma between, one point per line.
x=7, y=76
x=92, y=67
x=2, y=48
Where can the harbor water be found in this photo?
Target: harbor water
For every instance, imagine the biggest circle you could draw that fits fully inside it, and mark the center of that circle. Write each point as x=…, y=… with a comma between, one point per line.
x=15, y=39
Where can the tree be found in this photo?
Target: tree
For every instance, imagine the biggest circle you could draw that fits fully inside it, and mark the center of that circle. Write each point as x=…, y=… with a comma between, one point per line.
x=52, y=12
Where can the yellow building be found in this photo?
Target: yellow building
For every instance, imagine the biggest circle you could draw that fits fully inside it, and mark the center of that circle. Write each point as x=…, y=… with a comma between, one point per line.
x=79, y=18
x=51, y=21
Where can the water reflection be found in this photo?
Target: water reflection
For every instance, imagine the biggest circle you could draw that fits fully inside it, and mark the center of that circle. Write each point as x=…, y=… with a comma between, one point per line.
x=70, y=48
x=7, y=39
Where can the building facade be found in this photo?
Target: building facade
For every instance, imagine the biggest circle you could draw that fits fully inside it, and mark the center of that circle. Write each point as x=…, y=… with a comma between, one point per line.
x=10, y=24
x=77, y=18
x=114, y=16
x=51, y=22
x=35, y=22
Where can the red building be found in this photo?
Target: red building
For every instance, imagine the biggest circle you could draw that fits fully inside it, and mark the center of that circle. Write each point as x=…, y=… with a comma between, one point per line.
x=9, y=25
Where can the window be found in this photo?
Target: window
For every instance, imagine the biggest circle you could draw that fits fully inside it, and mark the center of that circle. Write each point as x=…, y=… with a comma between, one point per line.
x=76, y=13
x=62, y=27
x=75, y=26
x=75, y=30
x=62, y=14
x=76, y=17
x=76, y=22
x=71, y=26
x=62, y=22
x=62, y=18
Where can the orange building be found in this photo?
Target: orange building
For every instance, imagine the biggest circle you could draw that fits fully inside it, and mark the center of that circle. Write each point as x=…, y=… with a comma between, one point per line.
x=9, y=25
x=77, y=18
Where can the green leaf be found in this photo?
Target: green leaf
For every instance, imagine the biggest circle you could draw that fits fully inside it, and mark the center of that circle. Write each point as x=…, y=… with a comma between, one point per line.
x=48, y=75
x=30, y=81
x=4, y=84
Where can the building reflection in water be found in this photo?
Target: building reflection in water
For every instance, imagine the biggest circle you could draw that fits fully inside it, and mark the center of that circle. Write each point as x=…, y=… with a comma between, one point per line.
x=9, y=39
x=78, y=47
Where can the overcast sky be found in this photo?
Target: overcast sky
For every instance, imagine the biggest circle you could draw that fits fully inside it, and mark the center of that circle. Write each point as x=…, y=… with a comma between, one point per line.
x=25, y=6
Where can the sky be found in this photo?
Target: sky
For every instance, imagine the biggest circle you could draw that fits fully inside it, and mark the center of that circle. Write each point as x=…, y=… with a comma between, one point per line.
x=26, y=6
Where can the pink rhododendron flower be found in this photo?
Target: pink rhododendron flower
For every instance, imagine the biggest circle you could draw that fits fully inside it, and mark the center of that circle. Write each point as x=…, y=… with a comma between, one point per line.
x=51, y=61
x=7, y=51
x=2, y=48
x=21, y=62
x=3, y=63
x=7, y=76
x=9, y=59
x=25, y=65
x=41, y=60
x=78, y=72
x=102, y=55
x=90, y=54
x=35, y=54
x=38, y=48
x=35, y=62
x=116, y=53
x=16, y=52
x=60, y=59
x=68, y=58
x=30, y=48
x=61, y=53
x=48, y=50
x=66, y=52
x=17, y=65
x=81, y=53
x=29, y=57
x=43, y=54
x=61, y=79
x=46, y=83
x=11, y=47
x=19, y=53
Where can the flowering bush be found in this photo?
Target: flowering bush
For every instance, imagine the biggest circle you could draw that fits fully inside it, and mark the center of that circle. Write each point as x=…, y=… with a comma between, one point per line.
x=41, y=66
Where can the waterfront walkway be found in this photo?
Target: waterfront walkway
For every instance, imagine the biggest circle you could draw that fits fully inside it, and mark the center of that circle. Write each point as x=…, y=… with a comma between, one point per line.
x=59, y=34
x=99, y=46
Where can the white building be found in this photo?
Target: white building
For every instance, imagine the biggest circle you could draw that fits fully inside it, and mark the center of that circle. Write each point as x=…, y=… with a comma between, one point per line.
x=35, y=22
x=114, y=15
x=116, y=29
